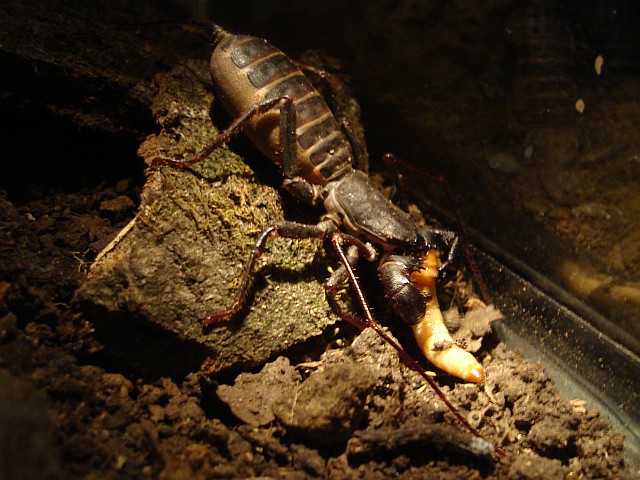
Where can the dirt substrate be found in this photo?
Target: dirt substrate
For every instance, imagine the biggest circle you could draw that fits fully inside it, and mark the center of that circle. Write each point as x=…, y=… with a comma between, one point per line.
x=75, y=410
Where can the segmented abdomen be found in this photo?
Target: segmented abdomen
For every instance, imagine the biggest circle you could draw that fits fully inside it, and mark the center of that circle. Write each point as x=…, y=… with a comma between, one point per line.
x=247, y=70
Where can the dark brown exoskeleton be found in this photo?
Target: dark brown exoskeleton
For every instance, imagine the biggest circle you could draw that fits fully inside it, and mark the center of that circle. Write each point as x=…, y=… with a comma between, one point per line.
x=284, y=115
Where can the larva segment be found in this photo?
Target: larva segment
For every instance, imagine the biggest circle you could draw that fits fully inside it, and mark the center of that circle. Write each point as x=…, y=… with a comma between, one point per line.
x=432, y=334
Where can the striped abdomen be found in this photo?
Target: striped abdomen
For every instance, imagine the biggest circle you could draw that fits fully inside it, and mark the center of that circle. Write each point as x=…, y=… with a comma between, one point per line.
x=246, y=71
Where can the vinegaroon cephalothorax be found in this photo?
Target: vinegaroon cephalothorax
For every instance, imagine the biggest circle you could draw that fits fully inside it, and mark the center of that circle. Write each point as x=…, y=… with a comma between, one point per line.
x=284, y=115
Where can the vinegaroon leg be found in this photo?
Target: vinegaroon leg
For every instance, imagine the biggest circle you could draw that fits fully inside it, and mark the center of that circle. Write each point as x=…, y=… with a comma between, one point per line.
x=440, y=239
x=297, y=186
x=287, y=133
x=348, y=259
x=284, y=229
x=341, y=275
x=360, y=153
x=392, y=161
x=331, y=85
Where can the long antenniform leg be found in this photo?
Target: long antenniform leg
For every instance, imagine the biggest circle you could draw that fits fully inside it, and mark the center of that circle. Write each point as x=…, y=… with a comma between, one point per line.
x=392, y=161
x=338, y=239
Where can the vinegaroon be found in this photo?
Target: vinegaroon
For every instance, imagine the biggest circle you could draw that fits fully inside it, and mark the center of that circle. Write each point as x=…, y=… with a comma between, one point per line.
x=286, y=117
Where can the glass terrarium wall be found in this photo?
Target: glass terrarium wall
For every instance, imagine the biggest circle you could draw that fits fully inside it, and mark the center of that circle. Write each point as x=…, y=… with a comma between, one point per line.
x=531, y=110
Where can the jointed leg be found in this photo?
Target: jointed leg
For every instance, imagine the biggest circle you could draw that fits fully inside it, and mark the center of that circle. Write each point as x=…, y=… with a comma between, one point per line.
x=358, y=146
x=284, y=229
x=333, y=88
x=336, y=281
x=287, y=134
x=348, y=260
